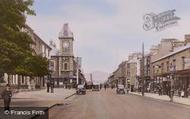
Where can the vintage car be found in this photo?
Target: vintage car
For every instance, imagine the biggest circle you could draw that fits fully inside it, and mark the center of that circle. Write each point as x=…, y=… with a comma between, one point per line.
x=96, y=87
x=120, y=89
x=81, y=90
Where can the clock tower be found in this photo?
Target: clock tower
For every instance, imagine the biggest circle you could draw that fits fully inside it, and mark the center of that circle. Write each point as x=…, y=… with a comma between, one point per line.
x=66, y=41
x=66, y=60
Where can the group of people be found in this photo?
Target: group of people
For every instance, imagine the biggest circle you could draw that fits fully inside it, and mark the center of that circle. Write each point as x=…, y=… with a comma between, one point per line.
x=105, y=86
x=183, y=93
x=167, y=90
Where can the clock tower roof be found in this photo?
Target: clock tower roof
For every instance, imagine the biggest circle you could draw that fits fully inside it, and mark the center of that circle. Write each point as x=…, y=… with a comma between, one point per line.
x=65, y=32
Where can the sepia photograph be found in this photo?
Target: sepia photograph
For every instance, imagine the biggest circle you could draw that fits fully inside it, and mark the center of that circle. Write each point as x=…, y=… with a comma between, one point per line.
x=94, y=59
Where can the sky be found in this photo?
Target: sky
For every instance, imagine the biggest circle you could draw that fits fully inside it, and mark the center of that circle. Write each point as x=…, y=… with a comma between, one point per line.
x=107, y=31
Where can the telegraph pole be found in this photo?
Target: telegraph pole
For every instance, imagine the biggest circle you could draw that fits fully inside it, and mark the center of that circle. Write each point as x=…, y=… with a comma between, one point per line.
x=78, y=67
x=77, y=75
x=142, y=69
x=77, y=70
x=91, y=80
x=172, y=83
x=91, y=77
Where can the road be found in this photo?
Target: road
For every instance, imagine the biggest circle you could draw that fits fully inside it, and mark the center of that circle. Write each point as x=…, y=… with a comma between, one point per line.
x=109, y=105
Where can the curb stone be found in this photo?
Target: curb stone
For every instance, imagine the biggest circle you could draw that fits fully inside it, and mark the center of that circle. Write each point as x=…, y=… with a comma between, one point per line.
x=57, y=104
x=162, y=100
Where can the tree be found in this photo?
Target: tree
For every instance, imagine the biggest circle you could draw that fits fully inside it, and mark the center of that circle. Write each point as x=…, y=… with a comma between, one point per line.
x=16, y=55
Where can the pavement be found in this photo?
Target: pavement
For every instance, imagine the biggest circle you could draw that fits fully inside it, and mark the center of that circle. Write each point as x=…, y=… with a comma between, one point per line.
x=176, y=99
x=40, y=98
x=109, y=105
x=34, y=103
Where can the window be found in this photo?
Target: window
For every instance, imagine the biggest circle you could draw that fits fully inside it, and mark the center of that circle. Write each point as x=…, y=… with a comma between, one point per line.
x=153, y=67
x=22, y=79
x=52, y=65
x=65, y=66
x=168, y=67
x=174, y=64
x=162, y=67
x=183, y=62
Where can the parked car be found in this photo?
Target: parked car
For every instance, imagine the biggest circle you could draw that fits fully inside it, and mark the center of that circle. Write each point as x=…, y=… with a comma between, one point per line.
x=120, y=89
x=81, y=90
x=96, y=87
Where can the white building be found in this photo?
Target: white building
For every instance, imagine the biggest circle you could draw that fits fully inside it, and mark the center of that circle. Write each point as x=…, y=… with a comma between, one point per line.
x=134, y=69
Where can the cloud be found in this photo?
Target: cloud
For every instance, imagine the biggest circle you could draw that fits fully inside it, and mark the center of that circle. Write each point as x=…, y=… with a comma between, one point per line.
x=104, y=36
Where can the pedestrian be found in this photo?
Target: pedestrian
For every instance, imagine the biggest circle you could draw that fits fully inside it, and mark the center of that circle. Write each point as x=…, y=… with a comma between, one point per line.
x=48, y=85
x=105, y=86
x=52, y=86
x=148, y=89
x=168, y=89
x=179, y=92
x=182, y=94
x=127, y=90
x=159, y=90
x=186, y=92
x=6, y=95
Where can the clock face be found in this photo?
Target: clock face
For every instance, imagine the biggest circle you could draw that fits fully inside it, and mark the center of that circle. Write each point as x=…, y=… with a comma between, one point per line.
x=65, y=44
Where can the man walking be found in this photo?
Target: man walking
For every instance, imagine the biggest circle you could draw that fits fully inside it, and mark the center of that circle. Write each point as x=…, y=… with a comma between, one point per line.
x=6, y=95
x=105, y=86
x=159, y=90
x=48, y=85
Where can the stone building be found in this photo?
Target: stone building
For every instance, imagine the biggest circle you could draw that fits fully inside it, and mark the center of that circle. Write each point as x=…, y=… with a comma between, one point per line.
x=120, y=74
x=111, y=82
x=166, y=46
x=127, y=73
x=25, y=82
x=133, y=75
x=173, y=67
x=64, y=62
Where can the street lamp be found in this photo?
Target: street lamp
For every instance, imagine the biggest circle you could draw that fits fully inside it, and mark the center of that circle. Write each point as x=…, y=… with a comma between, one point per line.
x=51, y=82
x=142, y=91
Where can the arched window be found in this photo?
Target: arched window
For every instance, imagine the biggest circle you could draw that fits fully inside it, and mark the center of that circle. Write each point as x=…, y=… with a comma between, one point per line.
x=65, y=66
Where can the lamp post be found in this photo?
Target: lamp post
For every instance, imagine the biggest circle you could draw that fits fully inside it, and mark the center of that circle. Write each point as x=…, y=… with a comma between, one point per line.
x=143, y=69
x=51, y=82
x=77, y=75
x=78, y=66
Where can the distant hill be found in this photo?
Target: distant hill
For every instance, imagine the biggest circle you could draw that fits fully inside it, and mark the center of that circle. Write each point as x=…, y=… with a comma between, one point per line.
x=97, y=76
